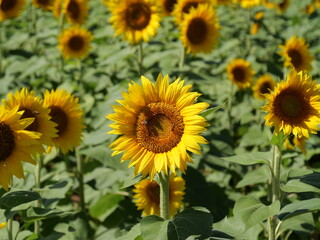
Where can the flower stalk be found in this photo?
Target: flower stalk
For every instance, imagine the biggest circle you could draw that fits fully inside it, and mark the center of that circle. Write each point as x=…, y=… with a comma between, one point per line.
x=38, y=187
x=164, y=195
x=80, y=161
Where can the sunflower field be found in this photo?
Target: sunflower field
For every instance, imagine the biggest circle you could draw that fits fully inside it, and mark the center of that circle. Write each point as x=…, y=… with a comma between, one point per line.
x=159, y=119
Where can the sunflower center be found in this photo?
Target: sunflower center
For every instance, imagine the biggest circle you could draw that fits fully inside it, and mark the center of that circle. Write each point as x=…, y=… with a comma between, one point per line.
x=239, y=74
x=138, y=16
x=60, y=118
x=30, y=114
x=73, y=9
x=7, y=5
x=296, y=58
x=169, y=5
x=153, y=192
x=76, y=43
x=188, y=6
x=197, y=31
x=265, y=88
x=44, y=2
x=7, y=143
x=159, y=127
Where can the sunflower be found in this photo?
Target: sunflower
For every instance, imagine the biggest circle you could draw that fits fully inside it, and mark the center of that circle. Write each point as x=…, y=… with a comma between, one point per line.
x=294, y=105
x=159, y=123
x=240, y=72
x=75, y=10
x=33, y=107
x=74, y=42
x=263, y=85
x=296, y=54
x=168, y=6
x=199, y=29
x=16, y=144
x=184, y=6
x=57, y=8
x=136, y=20
x=44, y=4
x=10, y=8
x=147, y=196
x=295, y=141
x=66, y=113
x=248, y=3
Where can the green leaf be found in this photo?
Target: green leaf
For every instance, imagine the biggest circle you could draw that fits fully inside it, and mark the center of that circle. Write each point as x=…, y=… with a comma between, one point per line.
x=131, y=180
x=298, y=208
x=35, y=213
x=105, y=206
x=259, y=175
x=133, y=234
x=300, y=223
x=210, y=110
x=230, y=227
x=250, y=158
x=192, y=221
x=278, y=139
x=154, y=228
x=305, y=183
x=14, y=199
x=253, y=212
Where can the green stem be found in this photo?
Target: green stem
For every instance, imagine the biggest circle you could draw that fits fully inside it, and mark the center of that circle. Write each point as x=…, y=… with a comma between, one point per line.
x=164, y=195
x=38, y=187
x=182, y=58
x=34, y=27
x=80, y=179
x=275, y=182
x=9, y=229
x=140, y=58
x=61, y=60
x=229, y=107
x=1, y=53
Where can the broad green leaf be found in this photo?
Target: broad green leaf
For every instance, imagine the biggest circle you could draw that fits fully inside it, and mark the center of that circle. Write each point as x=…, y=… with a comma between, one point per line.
x=105, y=206
x=250, y=158
x=14, y=199
x=298, y=208
x=154, y=228
x=131, y=180
x=35, y=213
x=259, y=175
x=278, y=139
x=305, y=183
x=300, y=223
x=229, y=227
x=133, y=234
x=253, y=212
x=210, y=110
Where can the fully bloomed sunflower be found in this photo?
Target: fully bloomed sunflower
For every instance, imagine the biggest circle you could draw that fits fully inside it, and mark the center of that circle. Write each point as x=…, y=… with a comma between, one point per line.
x=33, y=108
x=44, y=4
x=263, y=85
x=10, y=8
x=240, y=72
x=135, y=20
x=147, y=196
x=74, y=42
x=294, y=105
x=159, y=123
x=66, y=113
x=199, y=29
x=75, y=10
x=16, y=144
x=296, y=54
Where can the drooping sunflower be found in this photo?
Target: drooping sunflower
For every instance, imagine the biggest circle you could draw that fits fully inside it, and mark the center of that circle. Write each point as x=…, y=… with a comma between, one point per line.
x=199, y=29
x=168, y=6
x=240, y=72
x=75, y=10
x=159, y=123
x=44, y=4
x=184, y=6
x=135, y=20
x=147, y=196
x=33, y=107
x=248, y=3
x=294, y=105
x=10, y=8
x=66, y=113
x=296, y=54
x=74, y=42
x=263, y=85
x=16, y=144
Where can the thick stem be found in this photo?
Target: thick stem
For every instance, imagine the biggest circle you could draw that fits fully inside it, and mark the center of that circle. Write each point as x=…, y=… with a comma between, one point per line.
x=164, y=195
x=38, y=186
x=9, y=229
x=80, y=179
x=275, y=181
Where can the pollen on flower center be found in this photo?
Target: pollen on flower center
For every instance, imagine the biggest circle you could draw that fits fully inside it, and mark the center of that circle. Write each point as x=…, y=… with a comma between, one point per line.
x=73, y=9
x=197, y=31
x=138, y=16
x=60, y=118
x=7, y=143
x=76, y=43
x=30, y=114
x=7, y=5
x=296, y=58
x=239, y=74
x=159, y=127
x=153, y=191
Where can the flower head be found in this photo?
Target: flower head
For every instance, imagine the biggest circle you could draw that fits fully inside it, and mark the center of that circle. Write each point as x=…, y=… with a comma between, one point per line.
x=240, y=72
x=263, y=85
x=44, y=4
x=10, y=8
x=75, y=10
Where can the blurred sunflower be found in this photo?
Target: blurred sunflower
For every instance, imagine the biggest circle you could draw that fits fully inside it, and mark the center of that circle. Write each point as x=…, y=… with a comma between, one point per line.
x=223, y=2
x=184, y=6
x=159, y=123
x=256, y=22
x=240, y=72
x=168, y=6
x=296, y=54
x=264, y=84
x=248, y=3
x=199, y=29
x=294, y=105
x=33, y=108
x=147, y=196
x=16, y=144
x=74, y=42
x=295, y=141
x=3, y=224
x=136, y=20
x=10, y=8
x=44, y=4
x=66, y=113
x=57, y=8
x=280, y=6
x=75, y=10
